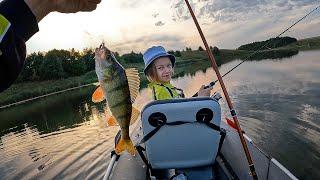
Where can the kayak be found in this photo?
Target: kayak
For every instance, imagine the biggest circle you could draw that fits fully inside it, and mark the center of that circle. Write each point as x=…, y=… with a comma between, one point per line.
x=186, y=139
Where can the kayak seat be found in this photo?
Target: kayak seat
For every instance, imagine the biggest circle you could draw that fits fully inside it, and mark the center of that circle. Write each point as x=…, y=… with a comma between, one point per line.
x=176, y=134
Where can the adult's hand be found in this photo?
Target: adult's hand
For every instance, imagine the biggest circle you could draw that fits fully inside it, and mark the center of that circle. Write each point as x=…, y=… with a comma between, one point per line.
x=73, y=6
x=41, y=8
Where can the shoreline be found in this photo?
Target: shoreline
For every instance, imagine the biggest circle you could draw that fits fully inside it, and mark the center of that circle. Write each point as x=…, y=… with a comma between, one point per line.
x=25, y=92
x=42, y=96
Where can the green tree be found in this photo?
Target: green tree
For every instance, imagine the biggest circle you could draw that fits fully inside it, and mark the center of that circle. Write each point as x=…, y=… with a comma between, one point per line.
x=51, y=66
x=132, y=57
x=177, y=53
x=74, y=65
x=88, y=58
x=30, y=71
x=268, y=44
x=215, y=51
x=116, y=54
x=171, y=52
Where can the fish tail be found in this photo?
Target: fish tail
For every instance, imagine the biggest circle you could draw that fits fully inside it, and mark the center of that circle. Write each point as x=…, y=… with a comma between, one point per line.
x=125, y=144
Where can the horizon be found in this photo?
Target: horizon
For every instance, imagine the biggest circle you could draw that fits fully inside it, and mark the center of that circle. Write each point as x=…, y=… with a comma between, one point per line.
x=137, y=52
x=137, y=25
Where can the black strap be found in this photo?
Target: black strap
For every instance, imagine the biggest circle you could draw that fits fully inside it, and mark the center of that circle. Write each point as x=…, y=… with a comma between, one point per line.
x=170, y=90
x=213, y=126
x=113, y=153
x=140, y=149
x=223, y=134
x=153, y=132
x=171, y=93
x=154, y=93
x=149, y=135
x=181, y=91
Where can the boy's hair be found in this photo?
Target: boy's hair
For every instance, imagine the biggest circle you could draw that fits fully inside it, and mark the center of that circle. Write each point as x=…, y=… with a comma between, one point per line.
x=151, y=73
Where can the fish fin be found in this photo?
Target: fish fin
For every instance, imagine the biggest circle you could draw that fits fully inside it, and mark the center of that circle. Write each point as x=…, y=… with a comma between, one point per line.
x=98, y=95
x=111, y=121
x=134, y=82
x=125, y=144
x=134, y=115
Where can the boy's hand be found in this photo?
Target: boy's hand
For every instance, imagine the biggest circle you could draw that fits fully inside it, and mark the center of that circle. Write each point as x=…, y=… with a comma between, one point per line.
x=204, y=92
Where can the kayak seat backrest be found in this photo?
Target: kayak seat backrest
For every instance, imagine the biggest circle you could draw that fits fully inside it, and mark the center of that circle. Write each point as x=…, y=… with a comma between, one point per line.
x=184, y=145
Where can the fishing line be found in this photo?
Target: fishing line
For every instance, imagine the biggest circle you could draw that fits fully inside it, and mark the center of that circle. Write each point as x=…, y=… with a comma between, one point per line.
x=259, y=49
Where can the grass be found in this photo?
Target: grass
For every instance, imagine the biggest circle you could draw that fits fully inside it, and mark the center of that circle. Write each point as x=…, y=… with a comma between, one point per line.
x=22, y=91
x=305, y=44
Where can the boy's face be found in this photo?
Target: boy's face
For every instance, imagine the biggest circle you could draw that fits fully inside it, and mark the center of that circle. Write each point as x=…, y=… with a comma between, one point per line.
x=164, y=69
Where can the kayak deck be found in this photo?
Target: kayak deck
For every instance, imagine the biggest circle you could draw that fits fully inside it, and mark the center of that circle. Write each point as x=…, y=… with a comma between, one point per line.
x=129, y=167
x=194, y=144
x=230, y=164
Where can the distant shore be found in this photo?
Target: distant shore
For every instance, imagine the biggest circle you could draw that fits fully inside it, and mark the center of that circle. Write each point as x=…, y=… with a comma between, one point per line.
x=305, y=44
x=20, y=92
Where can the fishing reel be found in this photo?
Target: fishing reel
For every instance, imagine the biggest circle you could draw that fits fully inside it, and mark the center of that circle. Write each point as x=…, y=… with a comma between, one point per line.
x=217, y=96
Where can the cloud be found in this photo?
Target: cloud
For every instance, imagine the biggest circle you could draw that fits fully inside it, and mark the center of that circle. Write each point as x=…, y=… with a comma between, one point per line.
x=133, y=3
x=159, y=23
x=141, y=43
x=150, y=38
x=137, y=24
x=234, y=10
x=155, y=15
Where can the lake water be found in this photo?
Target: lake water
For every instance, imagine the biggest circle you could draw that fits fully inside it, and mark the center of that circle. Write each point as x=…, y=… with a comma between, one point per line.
x=66, y=136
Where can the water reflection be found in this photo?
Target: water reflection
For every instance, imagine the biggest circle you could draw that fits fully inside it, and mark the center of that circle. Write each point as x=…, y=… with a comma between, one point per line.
x=277, y=104
x=61, y=136
x=65, y=136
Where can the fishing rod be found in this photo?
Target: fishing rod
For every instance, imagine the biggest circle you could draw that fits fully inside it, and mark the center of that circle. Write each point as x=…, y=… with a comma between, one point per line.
x=206, y=87
x=232, y=111
x=258, y=50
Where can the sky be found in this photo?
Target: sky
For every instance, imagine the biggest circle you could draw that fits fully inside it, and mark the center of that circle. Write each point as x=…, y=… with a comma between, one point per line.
x=136, y=25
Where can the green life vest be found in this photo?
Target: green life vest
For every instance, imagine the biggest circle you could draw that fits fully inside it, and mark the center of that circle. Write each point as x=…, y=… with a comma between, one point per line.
x=165, y=91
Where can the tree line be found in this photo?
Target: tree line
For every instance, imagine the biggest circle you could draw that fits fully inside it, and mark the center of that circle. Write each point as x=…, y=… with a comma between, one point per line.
x=59, y=64
x=56, y=64
x=268, y=44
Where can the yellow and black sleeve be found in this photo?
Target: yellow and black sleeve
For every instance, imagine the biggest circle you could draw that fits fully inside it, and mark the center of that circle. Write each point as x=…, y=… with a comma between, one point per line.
x=17, y=25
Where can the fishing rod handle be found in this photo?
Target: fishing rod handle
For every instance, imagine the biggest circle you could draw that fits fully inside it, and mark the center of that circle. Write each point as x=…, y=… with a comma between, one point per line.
x=206, y=87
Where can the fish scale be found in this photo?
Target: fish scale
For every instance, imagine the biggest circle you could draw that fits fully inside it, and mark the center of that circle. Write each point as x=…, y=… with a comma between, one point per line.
x=120, y=87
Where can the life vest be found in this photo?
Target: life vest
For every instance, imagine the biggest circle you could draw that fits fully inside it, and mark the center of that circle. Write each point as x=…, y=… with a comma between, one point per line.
x=165, y=91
